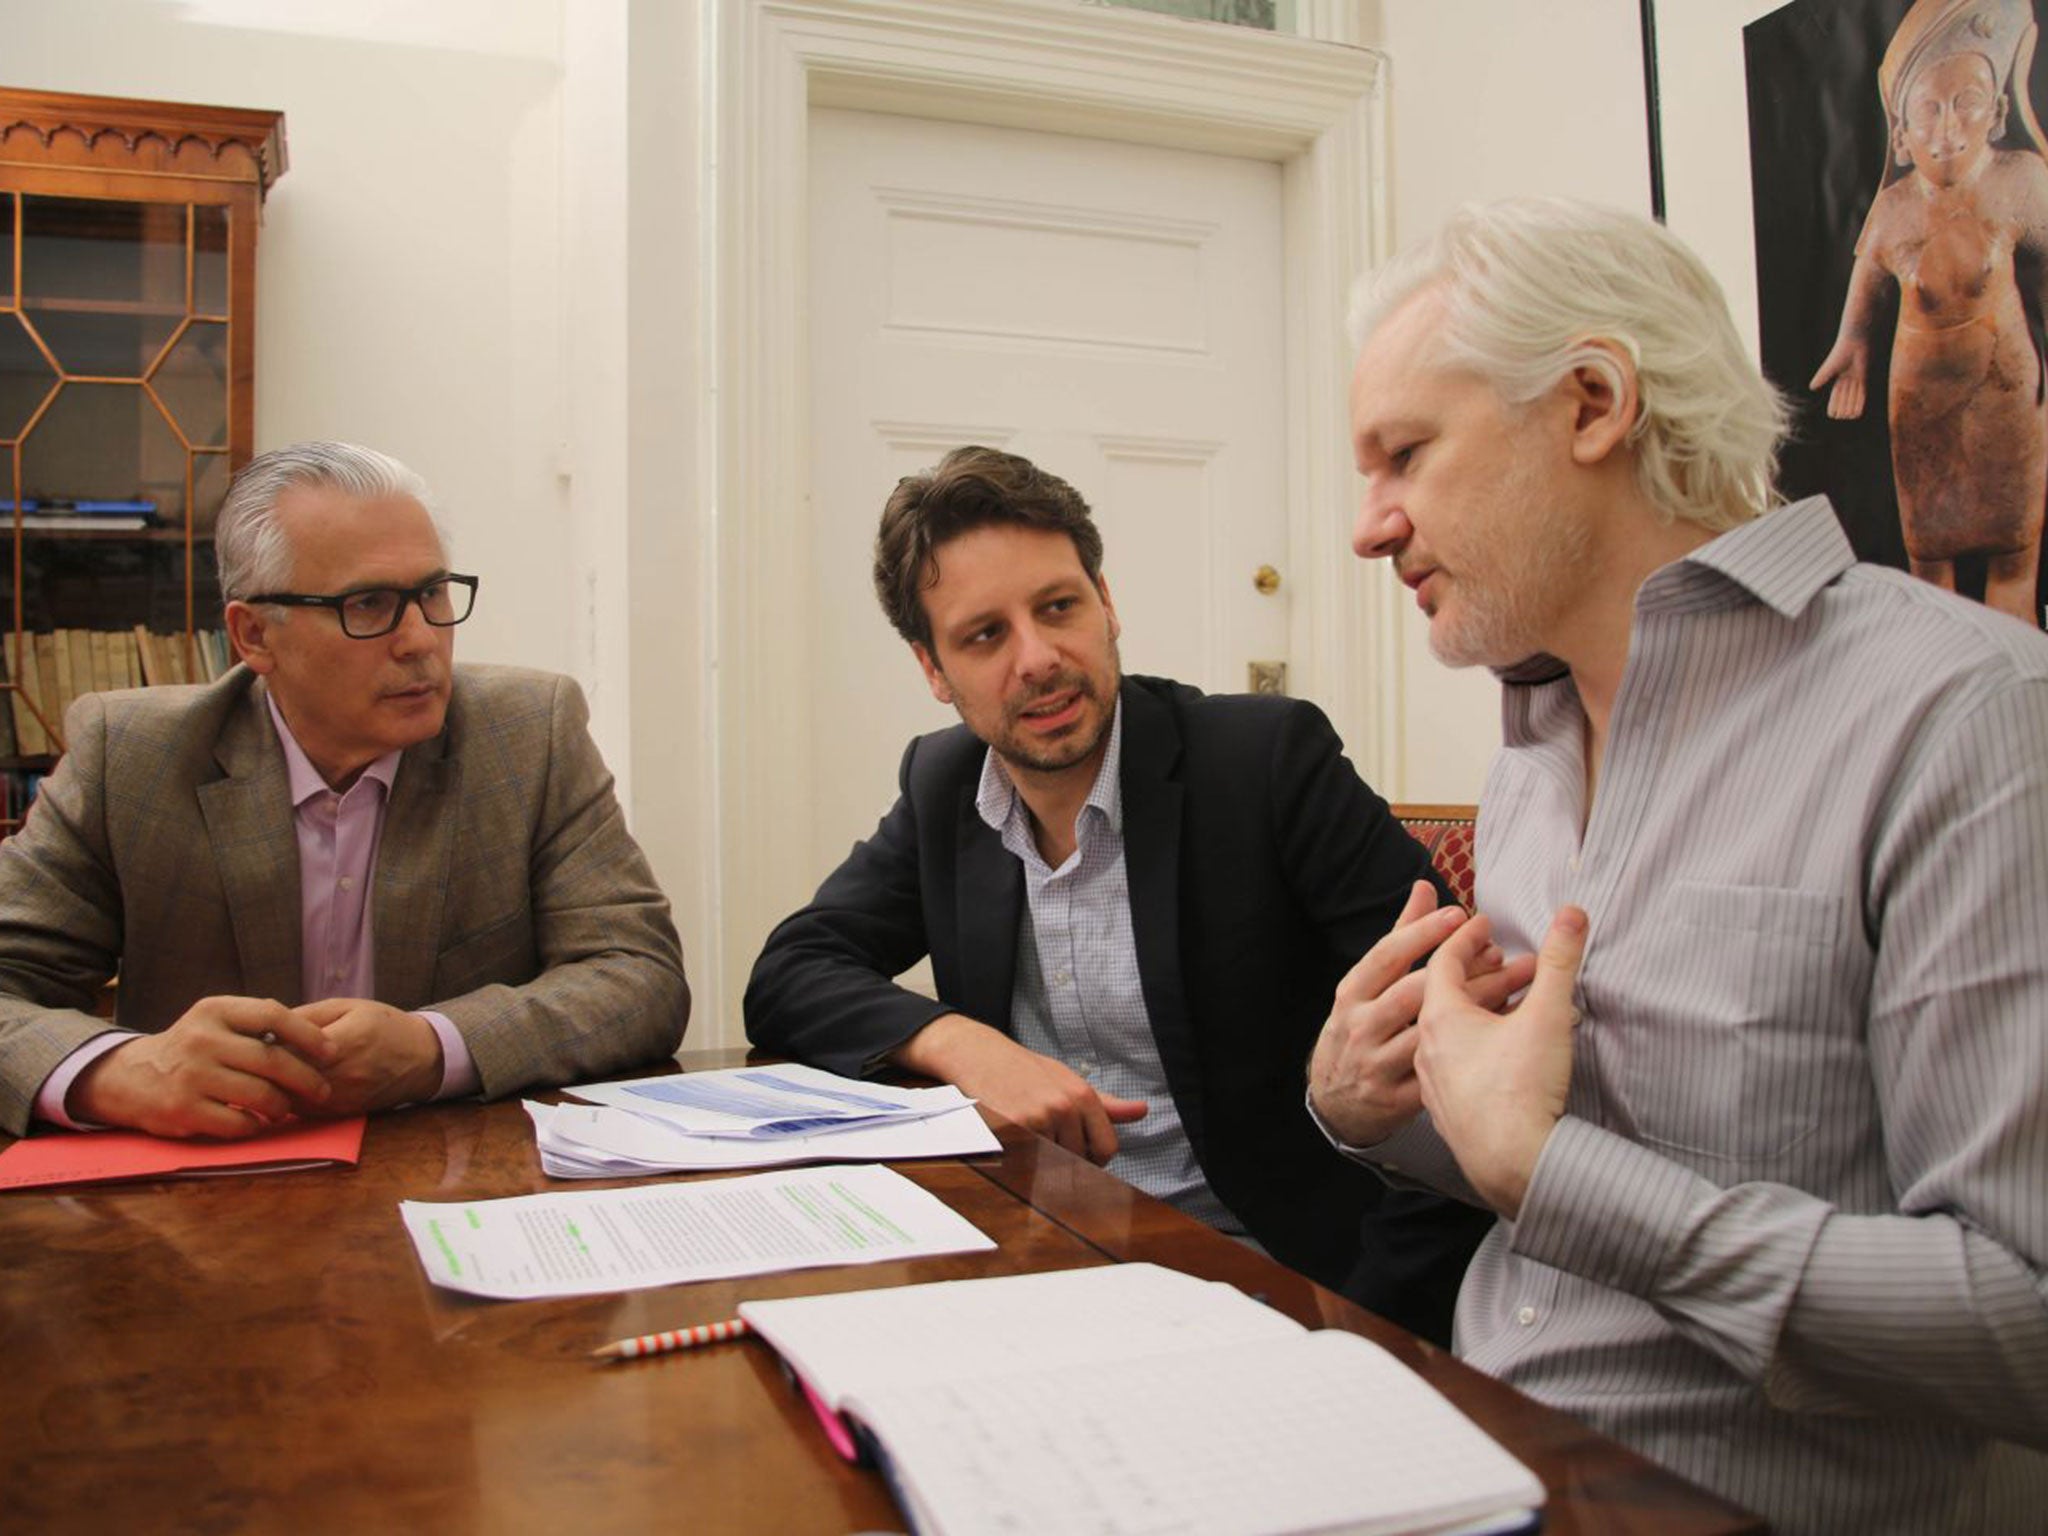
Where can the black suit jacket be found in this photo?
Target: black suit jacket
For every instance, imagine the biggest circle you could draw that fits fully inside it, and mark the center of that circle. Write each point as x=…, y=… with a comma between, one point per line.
x=1260, y=867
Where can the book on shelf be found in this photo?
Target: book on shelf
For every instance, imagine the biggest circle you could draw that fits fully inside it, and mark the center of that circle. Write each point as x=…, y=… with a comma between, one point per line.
x=83, y=679
x=167, y=659
x=147, y=658
x=170, y=658
x=99, y=648
x=42, y=686
x=29, y=737
x=78, y=522
x=54, y=704
x=53, y=672
x=8, y=747
x=54, y=667
x=1130, y=1398
x=84, y=506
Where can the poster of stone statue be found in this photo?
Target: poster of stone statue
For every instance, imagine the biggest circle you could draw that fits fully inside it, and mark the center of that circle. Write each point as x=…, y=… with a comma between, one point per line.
x=1900, y=185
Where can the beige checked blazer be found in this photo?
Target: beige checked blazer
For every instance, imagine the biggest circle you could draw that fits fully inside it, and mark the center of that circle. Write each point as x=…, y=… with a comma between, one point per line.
x=508, y=893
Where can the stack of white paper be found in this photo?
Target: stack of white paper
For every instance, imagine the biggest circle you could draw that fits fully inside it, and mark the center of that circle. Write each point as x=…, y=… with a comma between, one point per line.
x=767, y=1102
x=750, y=1117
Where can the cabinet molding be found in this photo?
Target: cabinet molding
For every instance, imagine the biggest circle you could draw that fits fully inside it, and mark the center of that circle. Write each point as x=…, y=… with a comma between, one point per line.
x=57, y=128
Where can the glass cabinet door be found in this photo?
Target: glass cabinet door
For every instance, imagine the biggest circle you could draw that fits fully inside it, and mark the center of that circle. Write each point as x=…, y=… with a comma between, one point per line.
x=114, y=402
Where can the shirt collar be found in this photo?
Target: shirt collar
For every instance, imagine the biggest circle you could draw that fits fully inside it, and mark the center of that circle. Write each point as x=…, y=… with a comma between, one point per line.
x=304, y=778
x=996, y=797
x=1783, y=560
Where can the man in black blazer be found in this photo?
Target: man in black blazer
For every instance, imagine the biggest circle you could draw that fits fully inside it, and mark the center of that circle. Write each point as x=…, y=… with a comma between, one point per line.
x=1138, y=899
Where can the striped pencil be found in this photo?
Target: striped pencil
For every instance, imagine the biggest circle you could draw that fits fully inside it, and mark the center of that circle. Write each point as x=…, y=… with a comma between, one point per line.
x=676, y=1338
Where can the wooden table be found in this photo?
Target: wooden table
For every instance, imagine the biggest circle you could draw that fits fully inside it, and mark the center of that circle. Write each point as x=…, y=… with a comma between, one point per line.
x=263, y=1353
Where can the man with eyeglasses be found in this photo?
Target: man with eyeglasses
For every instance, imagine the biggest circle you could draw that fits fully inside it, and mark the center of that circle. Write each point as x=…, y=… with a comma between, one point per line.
x=346, y=876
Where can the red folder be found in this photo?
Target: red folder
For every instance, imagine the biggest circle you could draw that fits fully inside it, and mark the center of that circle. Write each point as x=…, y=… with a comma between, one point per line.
x=93, y=1157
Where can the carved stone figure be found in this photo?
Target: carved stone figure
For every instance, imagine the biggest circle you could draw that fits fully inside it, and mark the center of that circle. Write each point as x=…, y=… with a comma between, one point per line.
x=1960, y=223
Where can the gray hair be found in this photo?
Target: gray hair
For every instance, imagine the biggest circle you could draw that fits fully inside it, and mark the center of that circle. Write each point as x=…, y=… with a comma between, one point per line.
x=248, y=541
x=1534, y=288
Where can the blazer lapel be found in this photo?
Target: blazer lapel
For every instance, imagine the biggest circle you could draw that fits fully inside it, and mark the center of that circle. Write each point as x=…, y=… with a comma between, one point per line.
x=415, y=860
x=990, y=900
x=1152, y=796
x=249, y=825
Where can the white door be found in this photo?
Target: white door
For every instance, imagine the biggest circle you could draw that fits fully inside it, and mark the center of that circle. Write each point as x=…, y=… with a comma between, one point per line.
x=1111, y=311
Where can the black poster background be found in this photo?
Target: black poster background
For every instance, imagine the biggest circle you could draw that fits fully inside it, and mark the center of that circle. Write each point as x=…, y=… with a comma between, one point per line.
x=1817, y=148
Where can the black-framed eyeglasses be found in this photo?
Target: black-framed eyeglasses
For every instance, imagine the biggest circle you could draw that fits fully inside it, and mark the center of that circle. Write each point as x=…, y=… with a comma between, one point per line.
x=368, y=612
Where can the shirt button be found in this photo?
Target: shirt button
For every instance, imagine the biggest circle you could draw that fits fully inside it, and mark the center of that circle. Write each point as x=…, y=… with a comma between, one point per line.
x=334, y=974
x=1575, y=864
x=1060, y=978
x=348, y=882
x=1526, y=1316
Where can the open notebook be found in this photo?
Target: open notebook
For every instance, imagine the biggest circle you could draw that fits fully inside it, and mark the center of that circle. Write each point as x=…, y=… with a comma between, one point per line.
x=1131, y=1398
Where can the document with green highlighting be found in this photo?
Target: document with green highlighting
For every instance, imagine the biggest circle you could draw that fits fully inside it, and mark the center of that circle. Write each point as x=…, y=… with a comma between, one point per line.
x=583, y=1243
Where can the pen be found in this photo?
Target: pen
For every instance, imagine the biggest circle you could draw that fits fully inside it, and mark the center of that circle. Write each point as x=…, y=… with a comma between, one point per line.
x=676, y=1338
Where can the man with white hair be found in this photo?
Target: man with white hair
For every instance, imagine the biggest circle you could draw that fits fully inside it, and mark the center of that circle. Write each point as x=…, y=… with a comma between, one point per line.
x=1767, y=1129
x=349, y=874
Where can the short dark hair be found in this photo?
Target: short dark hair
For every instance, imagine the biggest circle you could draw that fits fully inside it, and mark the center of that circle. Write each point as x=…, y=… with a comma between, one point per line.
x=969, y=488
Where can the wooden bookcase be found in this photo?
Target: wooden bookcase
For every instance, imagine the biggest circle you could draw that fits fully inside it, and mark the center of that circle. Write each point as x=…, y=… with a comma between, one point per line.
x=127, y=391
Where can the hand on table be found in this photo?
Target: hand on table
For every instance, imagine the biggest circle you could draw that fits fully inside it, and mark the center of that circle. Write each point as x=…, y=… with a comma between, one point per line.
x=227, y=1068
x=381, y=1056
x=1494, y=1082
x=1037, y=1092
x=1362, y=1074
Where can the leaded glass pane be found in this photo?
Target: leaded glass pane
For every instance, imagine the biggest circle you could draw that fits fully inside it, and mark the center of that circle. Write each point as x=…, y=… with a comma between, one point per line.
x=192, y=382
x=209, y=260
x=25, y=378
x=105, y=443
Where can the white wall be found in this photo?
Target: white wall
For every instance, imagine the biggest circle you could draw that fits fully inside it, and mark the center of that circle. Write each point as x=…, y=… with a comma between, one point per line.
x=1493, y=98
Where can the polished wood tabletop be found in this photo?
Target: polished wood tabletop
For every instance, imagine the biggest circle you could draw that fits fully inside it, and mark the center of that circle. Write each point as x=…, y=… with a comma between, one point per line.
x=264, y=1353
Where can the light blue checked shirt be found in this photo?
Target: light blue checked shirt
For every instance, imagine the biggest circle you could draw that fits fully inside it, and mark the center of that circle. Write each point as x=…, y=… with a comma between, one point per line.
x=1077, y=997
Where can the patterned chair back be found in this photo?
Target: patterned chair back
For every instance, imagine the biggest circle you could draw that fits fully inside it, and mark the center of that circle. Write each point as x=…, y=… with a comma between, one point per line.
x=1446, y=832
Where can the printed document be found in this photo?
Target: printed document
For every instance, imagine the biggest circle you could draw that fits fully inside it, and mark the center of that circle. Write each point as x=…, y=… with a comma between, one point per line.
x=588, y=1243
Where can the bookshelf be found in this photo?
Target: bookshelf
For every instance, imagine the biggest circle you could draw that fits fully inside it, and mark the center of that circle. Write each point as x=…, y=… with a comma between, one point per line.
x=127, y=394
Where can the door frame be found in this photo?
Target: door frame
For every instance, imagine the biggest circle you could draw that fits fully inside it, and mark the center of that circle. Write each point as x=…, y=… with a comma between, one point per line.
x=1315, y=108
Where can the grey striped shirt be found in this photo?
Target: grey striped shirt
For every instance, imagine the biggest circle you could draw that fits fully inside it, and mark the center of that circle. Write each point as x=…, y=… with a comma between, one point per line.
x=1788, y=1238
